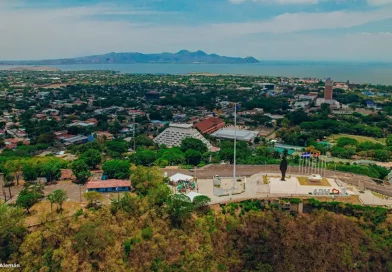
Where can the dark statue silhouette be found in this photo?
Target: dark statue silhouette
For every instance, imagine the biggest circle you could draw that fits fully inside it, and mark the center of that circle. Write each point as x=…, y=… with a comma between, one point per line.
x=283, y=168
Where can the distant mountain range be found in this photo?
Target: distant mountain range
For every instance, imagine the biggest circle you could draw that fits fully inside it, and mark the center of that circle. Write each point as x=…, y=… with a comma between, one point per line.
x=181, y=57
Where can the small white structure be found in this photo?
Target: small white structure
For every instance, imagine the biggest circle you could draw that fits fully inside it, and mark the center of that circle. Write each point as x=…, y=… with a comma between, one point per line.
x=177, y=177
x=192, y=195
x=315, y=178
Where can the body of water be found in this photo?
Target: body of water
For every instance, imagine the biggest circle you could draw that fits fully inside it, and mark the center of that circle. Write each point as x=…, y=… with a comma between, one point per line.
x=357, y=72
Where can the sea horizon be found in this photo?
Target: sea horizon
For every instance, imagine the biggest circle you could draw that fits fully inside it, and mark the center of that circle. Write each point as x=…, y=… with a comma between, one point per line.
x=371, y=72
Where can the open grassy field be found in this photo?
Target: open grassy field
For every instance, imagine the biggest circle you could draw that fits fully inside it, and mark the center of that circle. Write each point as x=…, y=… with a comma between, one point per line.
x=334, y=138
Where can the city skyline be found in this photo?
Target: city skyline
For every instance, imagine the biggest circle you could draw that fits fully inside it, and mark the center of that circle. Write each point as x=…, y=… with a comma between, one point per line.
x=265, y=29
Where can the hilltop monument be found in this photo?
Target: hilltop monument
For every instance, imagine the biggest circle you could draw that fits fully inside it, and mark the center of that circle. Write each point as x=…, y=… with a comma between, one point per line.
x=283, y=165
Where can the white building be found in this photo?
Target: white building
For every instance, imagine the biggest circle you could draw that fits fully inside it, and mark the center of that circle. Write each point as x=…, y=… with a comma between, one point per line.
x=175, y=133
x=267, y=86
x=240, y=135
x=331, y=102
x=301, y=104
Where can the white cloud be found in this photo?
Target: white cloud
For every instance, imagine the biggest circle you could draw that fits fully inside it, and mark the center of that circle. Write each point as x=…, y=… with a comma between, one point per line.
x=69, y=32
x=379, y=2
x=281, y=2
x=294, y=22
x=308, y=2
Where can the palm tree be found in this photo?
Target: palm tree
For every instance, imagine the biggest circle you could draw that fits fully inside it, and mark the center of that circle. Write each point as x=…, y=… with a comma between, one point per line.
x=8, y=182
x=51, y=199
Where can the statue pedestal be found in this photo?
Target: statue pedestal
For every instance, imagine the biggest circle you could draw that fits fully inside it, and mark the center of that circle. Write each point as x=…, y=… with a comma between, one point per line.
x=315, y=179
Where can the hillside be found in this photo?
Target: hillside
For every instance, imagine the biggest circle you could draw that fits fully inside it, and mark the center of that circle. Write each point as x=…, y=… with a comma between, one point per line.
x=181, y=57
x=143, y=234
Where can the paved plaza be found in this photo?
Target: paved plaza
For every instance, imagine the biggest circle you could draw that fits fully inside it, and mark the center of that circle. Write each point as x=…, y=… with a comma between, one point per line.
x=256, y=188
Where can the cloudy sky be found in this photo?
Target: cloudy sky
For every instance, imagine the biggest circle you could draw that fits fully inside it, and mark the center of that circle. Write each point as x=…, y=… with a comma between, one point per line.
x=266, y=29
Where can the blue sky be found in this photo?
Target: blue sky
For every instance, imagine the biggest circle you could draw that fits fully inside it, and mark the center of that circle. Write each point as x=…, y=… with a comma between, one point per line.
x=359, y=30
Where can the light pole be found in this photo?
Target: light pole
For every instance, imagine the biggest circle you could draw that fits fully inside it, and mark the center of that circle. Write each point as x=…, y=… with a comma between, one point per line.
x=235, y=150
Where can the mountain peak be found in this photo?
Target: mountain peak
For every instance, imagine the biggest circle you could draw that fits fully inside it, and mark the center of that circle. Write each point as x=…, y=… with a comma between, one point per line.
x=200, y=53
x=182, y=56
x=182, y=52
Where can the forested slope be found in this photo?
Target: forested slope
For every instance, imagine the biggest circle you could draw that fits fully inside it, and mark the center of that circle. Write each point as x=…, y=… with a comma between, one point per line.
x=145, y=234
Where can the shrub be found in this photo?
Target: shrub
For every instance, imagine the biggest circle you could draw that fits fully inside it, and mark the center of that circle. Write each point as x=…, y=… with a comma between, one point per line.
x=147, y=233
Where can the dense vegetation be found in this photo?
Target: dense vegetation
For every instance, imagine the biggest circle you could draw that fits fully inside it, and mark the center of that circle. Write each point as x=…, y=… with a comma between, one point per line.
x=141, y=234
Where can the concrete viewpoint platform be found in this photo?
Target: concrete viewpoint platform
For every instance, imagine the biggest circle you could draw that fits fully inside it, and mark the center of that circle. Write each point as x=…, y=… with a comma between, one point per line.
x=256, y=187
x=293, y=186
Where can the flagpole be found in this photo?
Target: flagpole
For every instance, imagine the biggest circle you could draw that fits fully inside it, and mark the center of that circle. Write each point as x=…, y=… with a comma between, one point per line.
x=299, y=169
x=306, y=165
x=235, y=145
x=312, y=164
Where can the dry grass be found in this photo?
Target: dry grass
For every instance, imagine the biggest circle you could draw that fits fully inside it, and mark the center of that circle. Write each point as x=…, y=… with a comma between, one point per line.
x=304, y=181
x=352, y=199
x=335, y=137
x=41, y=213
x=266, y=180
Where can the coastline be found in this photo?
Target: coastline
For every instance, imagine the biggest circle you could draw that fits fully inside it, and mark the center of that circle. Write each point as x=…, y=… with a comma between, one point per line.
x=359, y=73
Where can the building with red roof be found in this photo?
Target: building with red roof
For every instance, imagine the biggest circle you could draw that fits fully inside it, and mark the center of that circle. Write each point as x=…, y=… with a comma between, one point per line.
x=66, y=174
x=110, y=185
x=210, y=125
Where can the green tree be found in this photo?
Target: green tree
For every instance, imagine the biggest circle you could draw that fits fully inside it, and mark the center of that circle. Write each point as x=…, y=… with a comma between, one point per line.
x=15, y=167
x=92, y=158
x=118, y=169
x=343, y=141
x=26, y=199
x=389, y=140
x=195, y=144
x=116, y=146
x=193, y=157
x=158, y=196
x=144, y=140
x=46, y=138
x=12, y=231
x=30, y=172
x=115, y=127
x=144, y=157
x=285, y=123
x=146, y=178
x=51, y=170
x=173, y=156
x=8, y=182
x=200, y=201
x=381, y=155
x=80, y=170
x=59, y=196
x=180, y=208
x=50, y=198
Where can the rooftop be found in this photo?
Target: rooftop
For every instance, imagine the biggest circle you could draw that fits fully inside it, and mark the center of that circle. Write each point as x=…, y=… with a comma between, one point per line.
x=180, y=125
x=208, y=123
x=241, y=135
x=110, y=183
